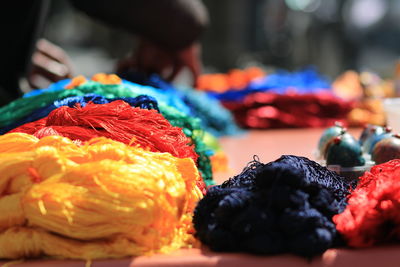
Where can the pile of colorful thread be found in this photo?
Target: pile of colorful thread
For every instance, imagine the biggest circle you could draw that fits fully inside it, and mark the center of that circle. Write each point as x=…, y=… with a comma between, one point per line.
x=103, y=89
x=283, y=100
x=84, y=151
x=104, y=168
x=214, y=118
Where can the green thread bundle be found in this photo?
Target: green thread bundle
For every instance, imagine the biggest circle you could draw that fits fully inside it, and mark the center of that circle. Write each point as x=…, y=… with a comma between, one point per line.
x=24, y=106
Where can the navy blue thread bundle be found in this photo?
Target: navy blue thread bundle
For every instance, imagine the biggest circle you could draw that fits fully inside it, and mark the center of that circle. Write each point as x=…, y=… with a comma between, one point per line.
x=141, y=101
x=283, y=206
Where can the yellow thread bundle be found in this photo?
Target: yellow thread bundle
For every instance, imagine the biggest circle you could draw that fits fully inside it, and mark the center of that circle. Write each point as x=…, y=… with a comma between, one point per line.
x=103, y=199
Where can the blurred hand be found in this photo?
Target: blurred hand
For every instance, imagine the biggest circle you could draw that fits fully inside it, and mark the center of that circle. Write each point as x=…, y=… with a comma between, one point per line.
x=49, y=64
x=151, y=58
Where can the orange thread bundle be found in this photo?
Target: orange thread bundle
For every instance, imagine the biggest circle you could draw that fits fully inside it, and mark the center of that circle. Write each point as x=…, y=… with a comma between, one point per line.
x=103, y=199
x=235, y=79
x=75, y=82
x=99, y=77
x=106, y=78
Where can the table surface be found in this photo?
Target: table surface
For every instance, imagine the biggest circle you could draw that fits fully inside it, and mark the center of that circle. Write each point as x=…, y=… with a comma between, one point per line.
x=268, y=145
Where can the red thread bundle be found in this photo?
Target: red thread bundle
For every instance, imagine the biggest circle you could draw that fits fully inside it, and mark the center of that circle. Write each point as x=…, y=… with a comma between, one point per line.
x=290, y=110
x=373, y=213
x=118, y=121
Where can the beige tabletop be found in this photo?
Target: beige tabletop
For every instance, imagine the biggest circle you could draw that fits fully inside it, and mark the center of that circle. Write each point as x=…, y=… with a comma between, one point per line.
x=268, y=145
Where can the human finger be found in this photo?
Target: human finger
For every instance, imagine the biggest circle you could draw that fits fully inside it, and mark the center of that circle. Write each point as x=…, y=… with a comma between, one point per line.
x=49, y=68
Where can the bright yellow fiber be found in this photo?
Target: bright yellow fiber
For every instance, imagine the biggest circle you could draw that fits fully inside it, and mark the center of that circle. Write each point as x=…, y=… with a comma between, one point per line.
x=103, y=199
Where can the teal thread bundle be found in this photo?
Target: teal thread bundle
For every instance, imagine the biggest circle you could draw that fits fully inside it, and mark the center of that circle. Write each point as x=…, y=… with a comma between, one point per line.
x=24, y=106
x=214, y=118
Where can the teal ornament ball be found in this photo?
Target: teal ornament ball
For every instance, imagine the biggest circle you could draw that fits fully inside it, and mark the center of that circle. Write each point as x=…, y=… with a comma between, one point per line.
x=344, y=150
x=327, y=135
x=388, y=133
x=372, y=133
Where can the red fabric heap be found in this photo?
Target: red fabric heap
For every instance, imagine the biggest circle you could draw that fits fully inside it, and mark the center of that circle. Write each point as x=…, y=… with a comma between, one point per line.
x=373, y=214
x=118, y=121
x=291, y=110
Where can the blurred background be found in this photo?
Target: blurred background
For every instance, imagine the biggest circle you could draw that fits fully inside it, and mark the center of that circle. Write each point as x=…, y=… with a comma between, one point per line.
x=332, y=35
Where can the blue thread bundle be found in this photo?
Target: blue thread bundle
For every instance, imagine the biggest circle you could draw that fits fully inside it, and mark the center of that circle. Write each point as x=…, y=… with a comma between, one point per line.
x=141, y=101
x=304, y=81
x=283, y=206
x=169, y=99
x=214, y=117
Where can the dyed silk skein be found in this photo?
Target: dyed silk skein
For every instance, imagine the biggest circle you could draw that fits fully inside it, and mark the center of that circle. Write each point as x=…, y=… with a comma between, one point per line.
x=372, y=216
x=102, y=199
x=272, y=110
x=283, y=206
